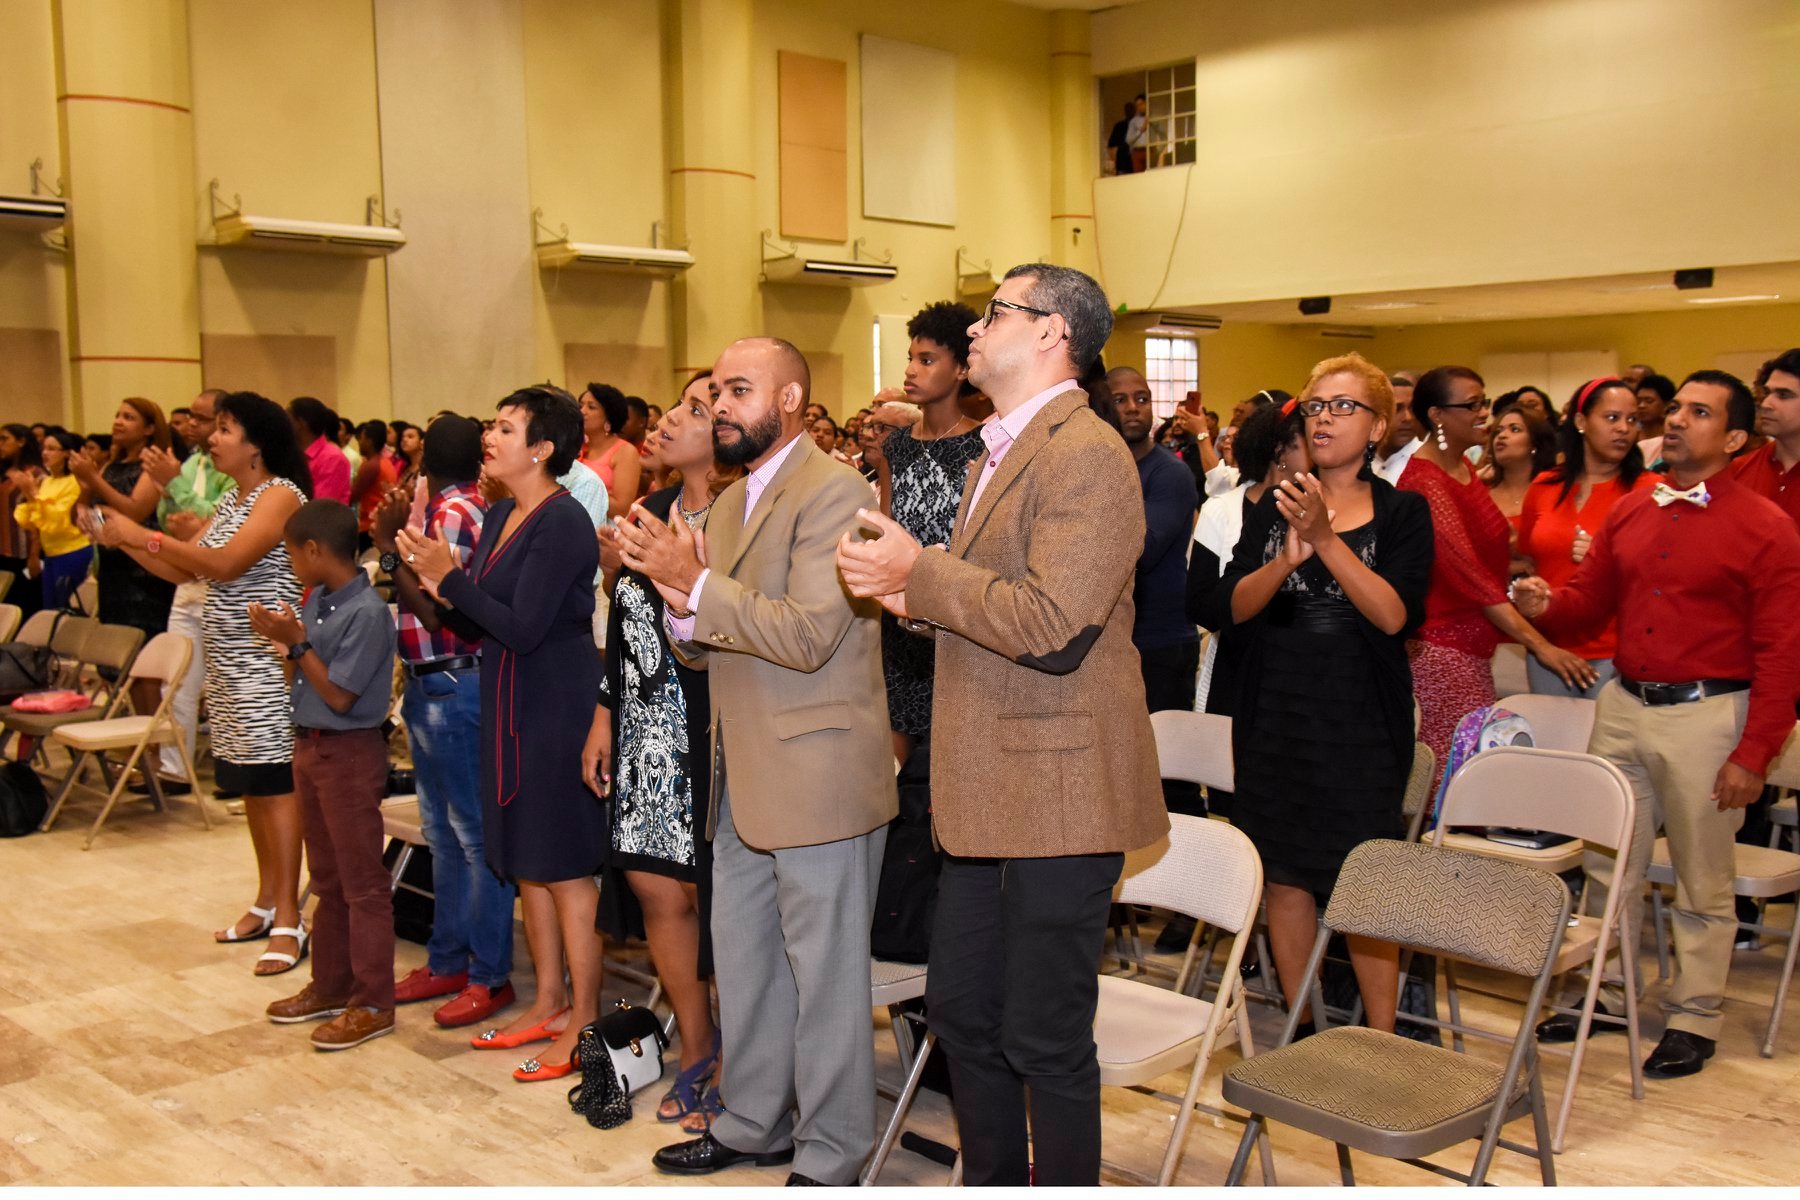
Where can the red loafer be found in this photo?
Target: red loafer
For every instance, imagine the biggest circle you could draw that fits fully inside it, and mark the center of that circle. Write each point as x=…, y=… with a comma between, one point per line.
x=531, y=1070
x=474, y=1003
x=421, y=984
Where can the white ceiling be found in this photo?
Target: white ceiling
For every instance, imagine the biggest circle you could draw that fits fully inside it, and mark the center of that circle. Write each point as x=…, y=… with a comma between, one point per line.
x=1645, y=292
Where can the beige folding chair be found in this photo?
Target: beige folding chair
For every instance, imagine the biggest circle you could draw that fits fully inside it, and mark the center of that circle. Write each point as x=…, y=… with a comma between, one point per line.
x=892, y=984
x=1209, y=871
x=1784, y=773
x=1417, y=800
x=6, y=582
x=10, y=616
x=166, y=660
x=1557, y=722
x=1388, y=1095
x=1585, y=797
x=81, y=643
x=87, y=596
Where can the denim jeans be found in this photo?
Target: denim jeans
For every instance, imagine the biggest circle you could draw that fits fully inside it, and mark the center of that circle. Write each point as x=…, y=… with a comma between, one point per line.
x=472, y=928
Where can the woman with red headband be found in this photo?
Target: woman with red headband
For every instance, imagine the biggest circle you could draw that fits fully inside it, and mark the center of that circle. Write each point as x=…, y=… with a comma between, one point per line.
x=1567, y=505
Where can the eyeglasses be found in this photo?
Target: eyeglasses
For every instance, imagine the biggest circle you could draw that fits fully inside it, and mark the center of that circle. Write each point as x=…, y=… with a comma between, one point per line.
x=1480, y=404
x=1340, y=406
x=996, y=304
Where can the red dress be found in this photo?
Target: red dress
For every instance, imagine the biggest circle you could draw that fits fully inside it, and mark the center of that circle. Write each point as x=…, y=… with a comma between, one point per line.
x=1452, y=660
x=1547, y=525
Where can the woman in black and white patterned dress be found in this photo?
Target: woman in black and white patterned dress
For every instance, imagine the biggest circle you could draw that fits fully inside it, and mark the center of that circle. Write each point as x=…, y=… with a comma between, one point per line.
x=241, y=554
x=650, y=737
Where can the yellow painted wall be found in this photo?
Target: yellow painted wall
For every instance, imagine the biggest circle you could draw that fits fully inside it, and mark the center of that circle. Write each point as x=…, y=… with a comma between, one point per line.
x=32, y=277
x=1002, y=163
x=285, y=116
x=1417, y=143
x=594, y=126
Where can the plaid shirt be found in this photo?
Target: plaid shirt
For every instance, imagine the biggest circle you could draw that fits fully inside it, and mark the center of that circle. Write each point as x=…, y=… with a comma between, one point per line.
x=455, y=515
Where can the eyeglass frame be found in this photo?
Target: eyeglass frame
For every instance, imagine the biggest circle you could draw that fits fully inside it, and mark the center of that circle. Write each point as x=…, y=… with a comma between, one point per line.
x=1472, y=406
x=989, y=310
x=1328, y=404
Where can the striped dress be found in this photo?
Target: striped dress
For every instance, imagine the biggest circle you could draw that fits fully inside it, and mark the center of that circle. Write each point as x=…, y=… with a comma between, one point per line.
x=247, y=699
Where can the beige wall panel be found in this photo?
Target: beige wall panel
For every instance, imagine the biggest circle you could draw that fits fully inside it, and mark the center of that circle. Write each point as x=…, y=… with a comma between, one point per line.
x=812, y=124
x=828, y=380
x=31, y=375
x=280, y=366
x=1353, y=147
x=635, y=370
x=460, y=294
x=813, y=206
x=908, y=110
x=27, y=95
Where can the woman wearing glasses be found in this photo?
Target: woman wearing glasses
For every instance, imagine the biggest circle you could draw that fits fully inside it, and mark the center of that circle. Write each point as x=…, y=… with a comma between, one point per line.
x=1329, y=575
x=1567, y=505
x=1467, y=608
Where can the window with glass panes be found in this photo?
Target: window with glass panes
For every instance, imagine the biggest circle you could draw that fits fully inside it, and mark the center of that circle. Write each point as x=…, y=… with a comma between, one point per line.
x=1169, y=98
x=1172, y=368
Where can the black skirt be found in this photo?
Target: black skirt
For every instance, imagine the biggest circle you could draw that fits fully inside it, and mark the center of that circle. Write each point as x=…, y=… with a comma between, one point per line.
x=1317, y=774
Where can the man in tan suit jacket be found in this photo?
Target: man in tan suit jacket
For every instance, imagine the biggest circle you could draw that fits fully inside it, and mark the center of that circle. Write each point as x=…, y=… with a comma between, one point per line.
x=804, y=775
x=1043, y=769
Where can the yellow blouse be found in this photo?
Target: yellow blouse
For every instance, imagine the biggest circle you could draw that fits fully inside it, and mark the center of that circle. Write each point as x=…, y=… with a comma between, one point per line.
x=52, y=514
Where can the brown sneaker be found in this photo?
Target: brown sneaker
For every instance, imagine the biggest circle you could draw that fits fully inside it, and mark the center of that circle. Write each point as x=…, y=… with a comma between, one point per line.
x=309, y=1005
x=353, y=1027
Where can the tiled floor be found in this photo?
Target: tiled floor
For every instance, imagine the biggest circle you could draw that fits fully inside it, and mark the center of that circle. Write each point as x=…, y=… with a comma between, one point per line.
x=133, y=1051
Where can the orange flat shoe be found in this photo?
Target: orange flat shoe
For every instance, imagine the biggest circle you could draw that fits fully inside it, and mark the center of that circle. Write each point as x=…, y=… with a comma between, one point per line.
x=493, y=1039
x=531, y=1070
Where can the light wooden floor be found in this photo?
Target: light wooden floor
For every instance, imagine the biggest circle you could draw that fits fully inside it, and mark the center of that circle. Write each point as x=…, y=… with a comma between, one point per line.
x=133, y=1051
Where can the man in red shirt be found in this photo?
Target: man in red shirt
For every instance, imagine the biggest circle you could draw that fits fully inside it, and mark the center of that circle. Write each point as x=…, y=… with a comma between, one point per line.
x=1704, y=576
x=1773, y=470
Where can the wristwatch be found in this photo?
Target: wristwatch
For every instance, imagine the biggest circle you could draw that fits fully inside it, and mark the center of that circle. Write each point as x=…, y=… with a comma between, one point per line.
x=389, y=561
x=298, y=650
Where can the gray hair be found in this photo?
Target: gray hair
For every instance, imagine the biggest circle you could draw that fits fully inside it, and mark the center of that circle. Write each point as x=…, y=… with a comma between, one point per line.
x=1078, y=300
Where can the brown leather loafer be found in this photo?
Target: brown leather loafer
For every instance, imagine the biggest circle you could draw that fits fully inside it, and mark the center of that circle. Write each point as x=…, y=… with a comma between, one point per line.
x=308, y=1005
x=353, y=1027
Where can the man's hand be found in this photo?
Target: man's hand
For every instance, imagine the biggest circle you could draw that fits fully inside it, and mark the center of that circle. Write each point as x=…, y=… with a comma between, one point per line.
x=160, y=465
x=389, y=519
x=281, y=626
x=1531, y=596
x=670, y=555
x=881, y=567
x=183, y=526
x=1735, y=787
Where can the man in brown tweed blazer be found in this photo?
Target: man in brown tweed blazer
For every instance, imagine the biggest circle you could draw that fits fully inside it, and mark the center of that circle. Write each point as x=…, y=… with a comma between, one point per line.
x=1043, y=770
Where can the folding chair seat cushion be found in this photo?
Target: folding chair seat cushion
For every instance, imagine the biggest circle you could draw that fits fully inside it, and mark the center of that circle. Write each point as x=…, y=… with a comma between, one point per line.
x=1373, y=1091
x=1761, y=872
x=114, y=733
x=894, y=982
x=1142, y=1031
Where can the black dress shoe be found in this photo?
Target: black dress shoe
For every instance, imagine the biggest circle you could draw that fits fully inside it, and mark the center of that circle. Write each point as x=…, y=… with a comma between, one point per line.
x=1563, y=1026
x=170, y=787
x=799, y=1180
x=1679, y=1053
x=704, y=1155
x=1176, y=935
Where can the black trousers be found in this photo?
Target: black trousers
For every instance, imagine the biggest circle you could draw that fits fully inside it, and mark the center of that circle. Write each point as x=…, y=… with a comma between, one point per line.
x=1171, y=675
x=1012, y=988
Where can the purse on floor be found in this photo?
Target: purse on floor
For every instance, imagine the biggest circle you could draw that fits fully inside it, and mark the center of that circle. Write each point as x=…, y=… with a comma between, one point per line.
x=635, y=1042
x=599, y=1097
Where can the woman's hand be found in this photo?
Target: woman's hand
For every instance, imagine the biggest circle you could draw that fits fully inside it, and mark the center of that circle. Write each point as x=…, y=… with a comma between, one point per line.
x=596, y=753
x=84, y=471
x=429, y=558
x=25, y=481
x=108, y=528
x=1574, y=670
x=1192, y=423
x=1301, y=503
x=1583, y=539
x=160, y=465
x=612, y=555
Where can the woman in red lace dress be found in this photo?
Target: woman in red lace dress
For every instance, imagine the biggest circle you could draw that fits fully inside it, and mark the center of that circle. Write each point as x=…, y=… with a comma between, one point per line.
x=1467, y=608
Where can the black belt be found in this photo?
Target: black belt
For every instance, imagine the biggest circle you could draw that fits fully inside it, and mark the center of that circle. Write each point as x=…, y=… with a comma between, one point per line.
x=1682, y=693
x=459, y=663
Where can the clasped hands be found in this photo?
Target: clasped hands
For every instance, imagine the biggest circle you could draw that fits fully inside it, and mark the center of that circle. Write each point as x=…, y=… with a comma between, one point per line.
x=879, y=568
x=667, y=553
x=1301, y=503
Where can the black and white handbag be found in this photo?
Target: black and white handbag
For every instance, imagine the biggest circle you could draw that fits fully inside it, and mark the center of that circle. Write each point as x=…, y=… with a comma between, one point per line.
x=621, y=1053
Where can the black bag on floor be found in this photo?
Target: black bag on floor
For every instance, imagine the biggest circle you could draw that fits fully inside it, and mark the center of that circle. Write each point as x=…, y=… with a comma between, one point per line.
x=22, y=800
x=906, y=896
x=600, y=1096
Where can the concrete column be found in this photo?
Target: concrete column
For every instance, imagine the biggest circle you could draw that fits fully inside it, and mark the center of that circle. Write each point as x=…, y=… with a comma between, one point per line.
x=1074, y=148
x=128, y=153
x=712, y=180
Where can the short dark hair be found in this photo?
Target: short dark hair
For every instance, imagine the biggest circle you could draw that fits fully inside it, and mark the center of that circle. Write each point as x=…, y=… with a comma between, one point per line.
x=639, y=406
x=1662, y=385
x=1787, y=362
x=1077, y=299
x=267, y=428
x=1257, y=442
x=946, y=323
x=1740, y=406
x=1432, y=390
x=453, y=449
x=330, y=523
x=313, y=413
x=182, y=412
x=612, y=402
x=376, y=430
x=551, y=416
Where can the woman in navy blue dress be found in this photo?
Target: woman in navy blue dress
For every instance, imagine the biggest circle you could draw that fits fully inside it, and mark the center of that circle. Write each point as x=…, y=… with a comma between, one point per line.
x=528, y=594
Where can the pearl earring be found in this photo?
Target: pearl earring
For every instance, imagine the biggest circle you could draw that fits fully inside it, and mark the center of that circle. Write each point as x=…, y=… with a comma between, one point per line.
x=1442, y=441
x=534, y=457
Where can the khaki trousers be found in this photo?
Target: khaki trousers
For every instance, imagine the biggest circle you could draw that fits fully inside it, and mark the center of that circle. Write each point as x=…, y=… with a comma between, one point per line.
x=1671, y=755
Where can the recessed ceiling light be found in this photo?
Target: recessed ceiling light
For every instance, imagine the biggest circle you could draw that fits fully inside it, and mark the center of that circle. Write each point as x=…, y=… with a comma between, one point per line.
x=1729, y=299
x=1386, y=305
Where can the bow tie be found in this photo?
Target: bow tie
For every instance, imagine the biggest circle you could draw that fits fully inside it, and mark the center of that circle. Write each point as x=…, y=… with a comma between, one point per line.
x=1664, y=495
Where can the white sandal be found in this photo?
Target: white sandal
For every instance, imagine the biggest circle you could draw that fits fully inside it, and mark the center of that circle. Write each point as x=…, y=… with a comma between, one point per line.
x=264, y=915
x=279, y=956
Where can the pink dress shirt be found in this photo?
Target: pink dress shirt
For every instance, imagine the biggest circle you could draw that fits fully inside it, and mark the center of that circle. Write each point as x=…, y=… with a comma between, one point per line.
x=999, y=434
x=681, y=629
x=330, y=471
